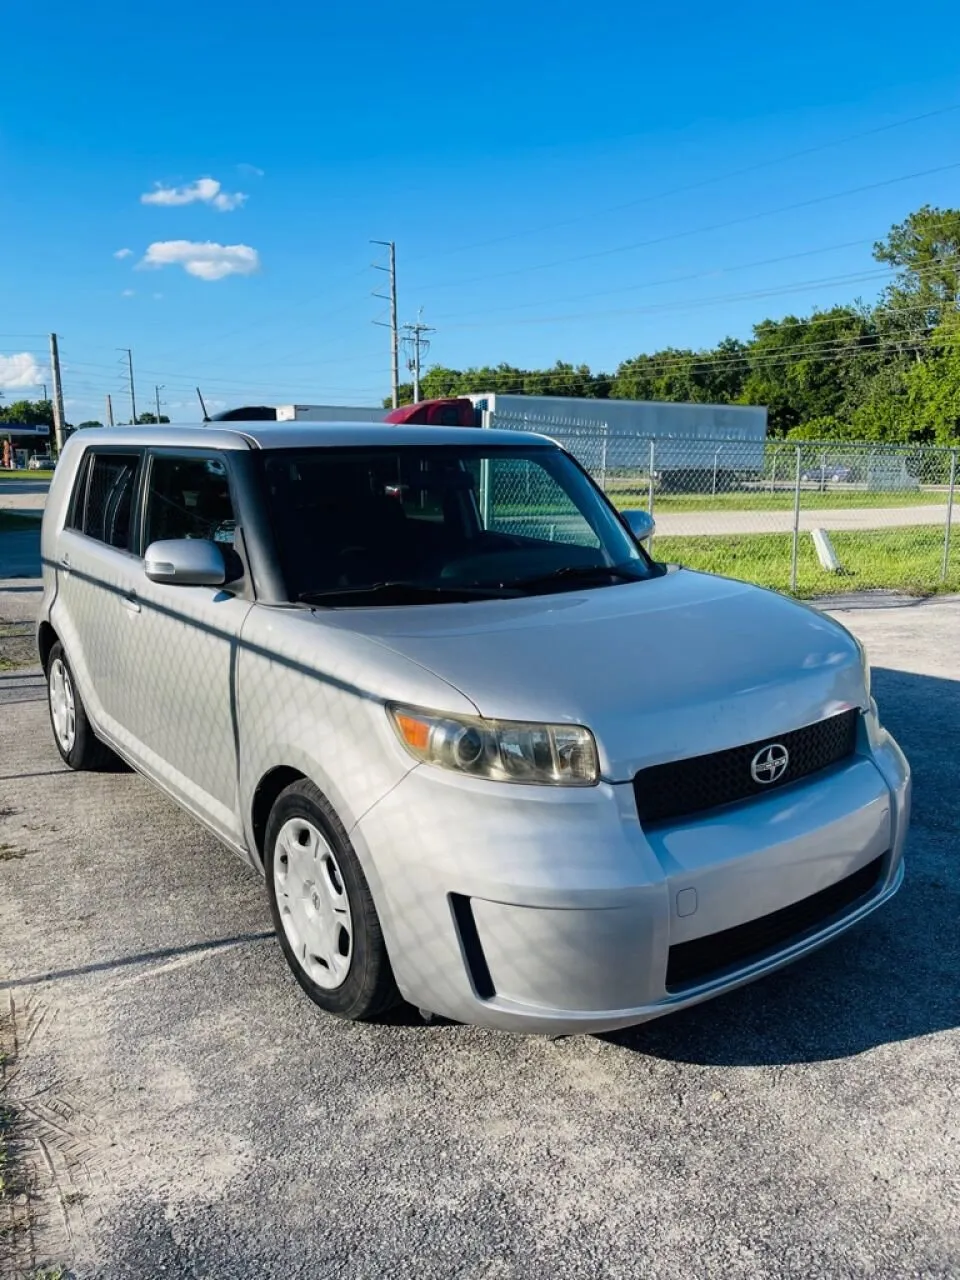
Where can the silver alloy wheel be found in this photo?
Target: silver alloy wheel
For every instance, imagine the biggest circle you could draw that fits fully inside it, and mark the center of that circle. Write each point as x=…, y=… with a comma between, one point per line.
x=313, y=903
x=63, y=707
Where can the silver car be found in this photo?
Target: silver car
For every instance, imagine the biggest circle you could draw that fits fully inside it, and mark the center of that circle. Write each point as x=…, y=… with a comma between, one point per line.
x=489, y=756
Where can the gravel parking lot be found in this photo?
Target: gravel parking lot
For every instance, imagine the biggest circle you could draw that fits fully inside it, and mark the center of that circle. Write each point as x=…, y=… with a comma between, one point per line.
x=187, y=1112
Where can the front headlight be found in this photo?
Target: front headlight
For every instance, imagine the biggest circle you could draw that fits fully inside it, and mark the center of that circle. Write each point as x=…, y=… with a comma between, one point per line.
x=559, y=755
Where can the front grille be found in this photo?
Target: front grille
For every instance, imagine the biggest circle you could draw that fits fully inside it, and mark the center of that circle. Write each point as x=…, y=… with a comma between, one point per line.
x=705, y=782
x=690, y=963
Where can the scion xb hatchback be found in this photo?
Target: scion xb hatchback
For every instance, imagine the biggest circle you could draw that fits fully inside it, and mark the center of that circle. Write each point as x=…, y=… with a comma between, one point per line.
x=487, y=753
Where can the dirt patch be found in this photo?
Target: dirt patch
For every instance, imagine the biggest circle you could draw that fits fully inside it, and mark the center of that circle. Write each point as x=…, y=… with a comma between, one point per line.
x=18, y=646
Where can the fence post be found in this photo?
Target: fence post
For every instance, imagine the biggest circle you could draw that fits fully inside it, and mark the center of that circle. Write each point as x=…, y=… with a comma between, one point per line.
x=796, y=528
x=653, y=460
x=603, y=458
x=946, y=532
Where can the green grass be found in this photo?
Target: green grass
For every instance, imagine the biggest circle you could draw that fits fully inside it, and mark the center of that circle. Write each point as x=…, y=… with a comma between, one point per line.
x=20, y=474
x=907, y=559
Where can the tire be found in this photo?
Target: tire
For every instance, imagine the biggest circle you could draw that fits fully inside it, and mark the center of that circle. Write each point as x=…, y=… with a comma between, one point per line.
x=73, y=733
x=323, y=910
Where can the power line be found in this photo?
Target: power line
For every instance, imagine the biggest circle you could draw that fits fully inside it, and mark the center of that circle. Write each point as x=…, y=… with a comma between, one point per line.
x=695, y=231
x=665, y=280
x=683, y=304
x=657, y=308
x=828, y=352
x=663, y=362
x=699, y=184
x=183, y=379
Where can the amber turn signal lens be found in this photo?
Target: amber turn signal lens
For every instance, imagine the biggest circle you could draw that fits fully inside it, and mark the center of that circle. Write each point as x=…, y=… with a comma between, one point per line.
x=415, y=733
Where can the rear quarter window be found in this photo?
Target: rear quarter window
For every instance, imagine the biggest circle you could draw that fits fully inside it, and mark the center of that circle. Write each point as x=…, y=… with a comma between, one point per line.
x=78, y=496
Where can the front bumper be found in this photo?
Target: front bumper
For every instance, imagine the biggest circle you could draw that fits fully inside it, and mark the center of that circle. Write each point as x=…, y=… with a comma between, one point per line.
x=547, y=910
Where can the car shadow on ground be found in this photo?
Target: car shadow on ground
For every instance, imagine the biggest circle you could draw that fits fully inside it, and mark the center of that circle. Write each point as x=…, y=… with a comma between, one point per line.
x=893, y=977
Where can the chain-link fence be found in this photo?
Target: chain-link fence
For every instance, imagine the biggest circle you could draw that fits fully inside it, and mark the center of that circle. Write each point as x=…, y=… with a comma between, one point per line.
x=810, y=518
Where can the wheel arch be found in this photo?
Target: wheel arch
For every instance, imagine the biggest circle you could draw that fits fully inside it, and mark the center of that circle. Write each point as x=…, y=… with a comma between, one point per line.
x=46, y=639
x=265, y=796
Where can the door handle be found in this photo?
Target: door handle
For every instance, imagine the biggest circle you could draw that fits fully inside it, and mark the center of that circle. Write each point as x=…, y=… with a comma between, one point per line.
x=130, y=603
x=65, y=563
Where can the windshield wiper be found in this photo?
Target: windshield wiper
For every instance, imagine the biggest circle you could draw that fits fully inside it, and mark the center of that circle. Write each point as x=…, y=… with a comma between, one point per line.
x=401, y=593
x=578, y=573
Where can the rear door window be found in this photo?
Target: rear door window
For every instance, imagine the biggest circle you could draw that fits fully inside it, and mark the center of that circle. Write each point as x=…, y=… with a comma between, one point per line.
x=108, y=503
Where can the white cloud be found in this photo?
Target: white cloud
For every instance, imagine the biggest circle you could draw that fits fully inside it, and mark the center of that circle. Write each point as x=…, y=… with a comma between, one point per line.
x=249, y=171
x=206, y=260
x=203, y=191
x=128, y=293
x=21, y=370
x=225, y=202
x=123, y=253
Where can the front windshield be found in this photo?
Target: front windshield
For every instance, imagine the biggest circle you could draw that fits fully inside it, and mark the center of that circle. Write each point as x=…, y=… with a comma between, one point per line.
x=415, y=524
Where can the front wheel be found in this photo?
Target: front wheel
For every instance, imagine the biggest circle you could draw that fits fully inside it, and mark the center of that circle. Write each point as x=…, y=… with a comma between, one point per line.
x=78, y=745
x=322, y=908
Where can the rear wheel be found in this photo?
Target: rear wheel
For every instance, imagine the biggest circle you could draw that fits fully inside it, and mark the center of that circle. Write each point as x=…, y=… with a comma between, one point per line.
x=322, y=908
x=78, y=745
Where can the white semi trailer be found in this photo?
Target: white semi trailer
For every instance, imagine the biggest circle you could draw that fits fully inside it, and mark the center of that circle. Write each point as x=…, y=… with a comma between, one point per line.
x=327, y=413
x=682, y=441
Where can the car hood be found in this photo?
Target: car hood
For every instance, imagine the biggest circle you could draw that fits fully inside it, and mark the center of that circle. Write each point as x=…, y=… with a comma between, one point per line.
x=671, y=667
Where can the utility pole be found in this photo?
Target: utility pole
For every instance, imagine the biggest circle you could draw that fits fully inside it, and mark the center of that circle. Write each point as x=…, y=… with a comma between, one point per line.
x=133, y=394
x=156, y=392
x=419, y=345
x=44, y=385
x=109, y=411
x=394, y=332
x=57, y=392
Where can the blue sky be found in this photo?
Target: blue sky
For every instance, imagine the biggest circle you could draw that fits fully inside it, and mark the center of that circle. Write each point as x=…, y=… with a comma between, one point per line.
x=562, y=182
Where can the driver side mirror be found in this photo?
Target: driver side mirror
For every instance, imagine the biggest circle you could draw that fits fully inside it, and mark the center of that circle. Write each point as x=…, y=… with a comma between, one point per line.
x=185, y=562
x=640, y=523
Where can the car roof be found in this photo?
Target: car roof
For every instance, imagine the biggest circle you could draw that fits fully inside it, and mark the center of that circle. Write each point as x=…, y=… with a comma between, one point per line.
x=304, y=435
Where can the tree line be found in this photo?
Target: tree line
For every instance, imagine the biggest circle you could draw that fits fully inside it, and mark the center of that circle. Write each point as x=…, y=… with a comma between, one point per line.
x=886, y=371
x=39, y=413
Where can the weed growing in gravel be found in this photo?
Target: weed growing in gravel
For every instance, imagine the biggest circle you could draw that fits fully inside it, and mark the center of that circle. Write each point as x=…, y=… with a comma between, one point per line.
x=8, y=852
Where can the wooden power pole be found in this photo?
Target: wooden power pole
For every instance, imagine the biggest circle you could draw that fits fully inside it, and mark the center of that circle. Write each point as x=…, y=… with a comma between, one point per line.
x=57, y=392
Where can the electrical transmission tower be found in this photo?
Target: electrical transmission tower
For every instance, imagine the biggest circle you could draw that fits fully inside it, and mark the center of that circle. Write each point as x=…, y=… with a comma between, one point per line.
x=391, y=297
x=130, y=384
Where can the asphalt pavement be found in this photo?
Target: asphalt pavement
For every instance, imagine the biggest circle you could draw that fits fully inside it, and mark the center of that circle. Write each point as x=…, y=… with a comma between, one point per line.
x=20, y=551
x=188, y=1113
